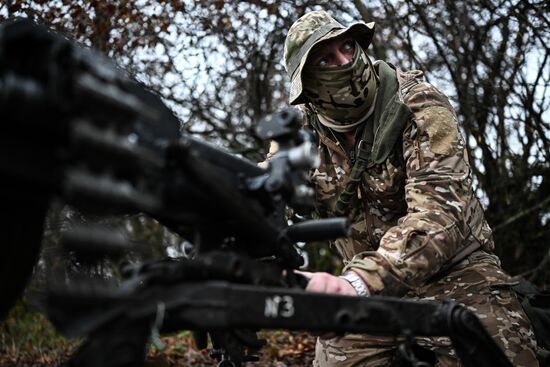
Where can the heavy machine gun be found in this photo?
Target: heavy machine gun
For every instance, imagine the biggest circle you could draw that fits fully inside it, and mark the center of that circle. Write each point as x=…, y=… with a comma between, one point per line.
x=76, y=127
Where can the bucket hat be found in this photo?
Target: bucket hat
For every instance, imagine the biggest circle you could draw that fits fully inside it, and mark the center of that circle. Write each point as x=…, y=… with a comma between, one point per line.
x=308, y=31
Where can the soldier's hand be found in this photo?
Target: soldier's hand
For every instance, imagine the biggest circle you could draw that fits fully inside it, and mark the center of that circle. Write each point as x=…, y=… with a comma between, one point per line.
x=327, y=283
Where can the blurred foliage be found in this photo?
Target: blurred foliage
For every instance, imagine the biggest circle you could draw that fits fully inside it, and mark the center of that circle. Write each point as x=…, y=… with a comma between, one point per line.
x=321, y=257
x=27, y=335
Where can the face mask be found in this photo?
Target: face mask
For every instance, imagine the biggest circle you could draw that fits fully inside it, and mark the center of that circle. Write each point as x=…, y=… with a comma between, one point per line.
x=343, y=96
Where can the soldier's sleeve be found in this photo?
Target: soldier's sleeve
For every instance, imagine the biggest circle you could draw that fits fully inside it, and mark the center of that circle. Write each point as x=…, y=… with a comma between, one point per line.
x=437, y=192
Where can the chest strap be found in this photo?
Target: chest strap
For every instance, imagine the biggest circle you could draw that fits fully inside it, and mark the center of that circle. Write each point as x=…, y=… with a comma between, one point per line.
x=363, y=154
x=379, y=136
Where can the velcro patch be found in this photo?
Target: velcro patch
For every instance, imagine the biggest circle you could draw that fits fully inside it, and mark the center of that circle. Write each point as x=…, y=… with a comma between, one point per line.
x=441, y=125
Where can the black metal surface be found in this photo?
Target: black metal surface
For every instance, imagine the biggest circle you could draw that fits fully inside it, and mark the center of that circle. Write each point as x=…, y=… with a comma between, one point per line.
x=319, y=230
x=218, y=306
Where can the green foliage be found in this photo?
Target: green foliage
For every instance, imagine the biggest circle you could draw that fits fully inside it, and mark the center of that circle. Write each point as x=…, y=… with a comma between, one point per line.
x=322, y=257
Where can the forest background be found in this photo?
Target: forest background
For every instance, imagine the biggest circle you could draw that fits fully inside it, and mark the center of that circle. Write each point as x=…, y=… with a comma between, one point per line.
x=218, y=65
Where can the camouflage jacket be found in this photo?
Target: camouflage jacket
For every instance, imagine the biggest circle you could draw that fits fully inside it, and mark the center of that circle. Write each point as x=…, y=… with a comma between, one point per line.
x=416, y=211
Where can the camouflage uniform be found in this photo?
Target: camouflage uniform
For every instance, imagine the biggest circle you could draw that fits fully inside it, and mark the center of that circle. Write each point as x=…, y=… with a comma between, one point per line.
x=413, y=215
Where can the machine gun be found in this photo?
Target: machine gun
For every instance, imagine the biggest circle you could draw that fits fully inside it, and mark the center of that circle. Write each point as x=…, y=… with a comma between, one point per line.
x=76, y=127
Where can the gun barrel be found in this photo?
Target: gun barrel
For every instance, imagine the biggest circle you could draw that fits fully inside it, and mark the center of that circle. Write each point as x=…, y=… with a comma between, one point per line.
x=319, y=230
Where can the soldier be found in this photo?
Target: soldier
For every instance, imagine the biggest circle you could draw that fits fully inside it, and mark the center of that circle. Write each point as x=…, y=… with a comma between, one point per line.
x=393, y=161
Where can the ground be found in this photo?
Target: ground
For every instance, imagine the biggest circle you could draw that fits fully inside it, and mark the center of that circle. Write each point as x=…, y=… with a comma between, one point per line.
x=27, y=339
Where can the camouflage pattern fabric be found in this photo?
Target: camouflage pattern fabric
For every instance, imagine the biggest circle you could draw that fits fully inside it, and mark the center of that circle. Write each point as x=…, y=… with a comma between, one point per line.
x=415, y=210
x=343, y=94
x=413, y=214
x=477, y=283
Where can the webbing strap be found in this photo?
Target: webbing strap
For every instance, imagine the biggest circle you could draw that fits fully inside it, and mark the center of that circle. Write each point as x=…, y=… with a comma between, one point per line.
x=380, y=134
x=364, y=148
x=363, y=155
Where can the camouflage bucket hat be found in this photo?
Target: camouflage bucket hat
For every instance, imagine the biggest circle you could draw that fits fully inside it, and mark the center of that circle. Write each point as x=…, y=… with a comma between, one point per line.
x=307, y=32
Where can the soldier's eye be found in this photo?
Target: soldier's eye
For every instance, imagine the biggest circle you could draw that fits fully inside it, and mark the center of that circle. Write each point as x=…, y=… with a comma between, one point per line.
x=323, y=61
x=349, y=45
